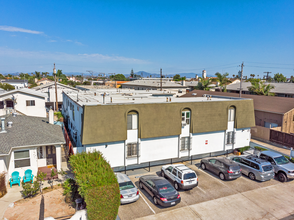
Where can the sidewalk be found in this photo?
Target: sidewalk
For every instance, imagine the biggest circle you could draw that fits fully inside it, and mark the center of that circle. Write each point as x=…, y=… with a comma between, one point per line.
x=274, y=147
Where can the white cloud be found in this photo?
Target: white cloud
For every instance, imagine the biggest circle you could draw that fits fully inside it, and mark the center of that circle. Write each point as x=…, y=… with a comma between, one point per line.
x=59, y=56
x=16, y=29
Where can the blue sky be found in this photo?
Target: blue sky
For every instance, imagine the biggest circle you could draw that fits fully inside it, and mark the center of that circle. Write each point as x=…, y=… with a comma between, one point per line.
x=177, y=36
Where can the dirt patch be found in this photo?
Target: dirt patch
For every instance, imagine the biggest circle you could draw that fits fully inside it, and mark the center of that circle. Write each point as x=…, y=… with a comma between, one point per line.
x=52, y=205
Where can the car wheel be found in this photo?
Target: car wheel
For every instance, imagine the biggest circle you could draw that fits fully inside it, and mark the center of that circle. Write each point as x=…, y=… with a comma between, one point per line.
x=251, y=176
x=176, y=186
x=162, y=173
x=141, y=185
x=155, y=200
x=222, y=176
x=203, y=166
x=282, y=177
x=197, y=183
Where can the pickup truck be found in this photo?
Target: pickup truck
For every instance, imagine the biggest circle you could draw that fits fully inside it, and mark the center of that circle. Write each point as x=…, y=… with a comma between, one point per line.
x=283, y=168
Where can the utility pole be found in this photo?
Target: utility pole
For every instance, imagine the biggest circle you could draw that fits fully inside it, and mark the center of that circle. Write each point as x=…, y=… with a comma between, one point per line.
x=160, y=79
x=241, y=78
x=56, y=104
x=267, y=73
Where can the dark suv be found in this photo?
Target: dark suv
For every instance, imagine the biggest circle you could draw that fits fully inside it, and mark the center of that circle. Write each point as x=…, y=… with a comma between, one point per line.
x=223, y=167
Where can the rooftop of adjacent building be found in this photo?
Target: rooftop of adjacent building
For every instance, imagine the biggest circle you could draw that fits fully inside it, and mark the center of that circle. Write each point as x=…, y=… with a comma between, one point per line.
x=14, y=80
x=151, y=82
x=23, y=90
x=285, y=88
x=273, y=104
x=28, y=131
x=130, y=96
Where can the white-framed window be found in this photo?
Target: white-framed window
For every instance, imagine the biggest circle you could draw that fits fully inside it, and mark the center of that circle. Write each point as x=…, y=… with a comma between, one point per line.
x=230, y=137
x=40, y=153
x=231, y=114
x=22, y=158
x=132, y=121
x=186, y=115
x=30, y=102
x=185, y=143
x=132, y=149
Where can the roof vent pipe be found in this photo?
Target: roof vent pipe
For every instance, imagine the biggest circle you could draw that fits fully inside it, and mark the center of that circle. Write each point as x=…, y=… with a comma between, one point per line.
x=111, y=99
x=14, y=114
x=51, y=116
x=3, y=125
x=9, y=124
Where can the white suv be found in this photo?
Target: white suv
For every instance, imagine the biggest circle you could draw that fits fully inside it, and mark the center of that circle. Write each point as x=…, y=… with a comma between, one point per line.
x=181, y=176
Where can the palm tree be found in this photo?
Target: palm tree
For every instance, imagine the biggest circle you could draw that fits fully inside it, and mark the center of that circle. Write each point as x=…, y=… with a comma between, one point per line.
x=222, y=79
x=259, y=88
x=203, y=84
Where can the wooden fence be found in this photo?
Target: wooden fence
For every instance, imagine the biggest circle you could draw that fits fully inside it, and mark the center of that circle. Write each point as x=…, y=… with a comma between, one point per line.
x=282, y=138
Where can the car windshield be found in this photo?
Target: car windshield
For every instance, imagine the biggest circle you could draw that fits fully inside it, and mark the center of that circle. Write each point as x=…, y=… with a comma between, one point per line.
x=281, y=160
x=267, y=168
x=126, y=185
x=189, y=176
x=234, y=168
x=165, y=188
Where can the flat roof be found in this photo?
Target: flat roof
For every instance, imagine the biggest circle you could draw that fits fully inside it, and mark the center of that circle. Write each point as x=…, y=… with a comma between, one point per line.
x=155, y=83
x=273, y=104
x=130, y=96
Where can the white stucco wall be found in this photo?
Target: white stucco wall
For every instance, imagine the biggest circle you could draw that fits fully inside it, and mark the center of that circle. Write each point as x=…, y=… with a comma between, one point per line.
x=38, y=110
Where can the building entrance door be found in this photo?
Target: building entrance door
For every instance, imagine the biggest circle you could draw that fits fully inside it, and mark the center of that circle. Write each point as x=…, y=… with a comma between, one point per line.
x=51, y=155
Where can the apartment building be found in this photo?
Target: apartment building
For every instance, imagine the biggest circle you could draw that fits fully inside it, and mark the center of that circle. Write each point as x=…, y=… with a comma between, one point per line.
x=132, y=127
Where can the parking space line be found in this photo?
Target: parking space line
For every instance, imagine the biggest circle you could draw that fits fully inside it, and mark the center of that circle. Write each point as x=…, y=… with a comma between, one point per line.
x=147, y=203
x=200, y=189
x=213, y=177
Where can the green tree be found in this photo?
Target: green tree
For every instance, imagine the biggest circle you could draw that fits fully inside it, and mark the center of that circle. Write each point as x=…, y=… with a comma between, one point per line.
x=203, y=84
x=292, y=79
x=9, y=75
x=223, y=80
x=6, y=86
x=118, y=77
x=97, y=184
x=279, y=77
x=259, y=88
x=177, y=77
x=38, y=74
x=1, y=76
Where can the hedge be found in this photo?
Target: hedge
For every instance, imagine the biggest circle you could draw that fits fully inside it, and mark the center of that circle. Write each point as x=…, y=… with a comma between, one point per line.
x=3, y=189
x=97, y=183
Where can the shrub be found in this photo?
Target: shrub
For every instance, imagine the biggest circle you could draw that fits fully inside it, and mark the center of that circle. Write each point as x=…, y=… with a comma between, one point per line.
x=30, y=189
x=244, y=149
x=70, y=190
x=3, y=189
x=96, y=181
x=58, y=114
x=260, y=148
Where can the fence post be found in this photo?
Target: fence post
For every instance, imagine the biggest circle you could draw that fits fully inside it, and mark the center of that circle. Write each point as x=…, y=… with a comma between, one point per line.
x=171, y=161
x=149, y=166
x=291, y=153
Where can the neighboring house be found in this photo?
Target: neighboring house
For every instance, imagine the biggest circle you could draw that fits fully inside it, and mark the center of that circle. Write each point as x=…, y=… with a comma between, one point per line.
x=136, y=127
x=30, y=143
x=17, y=83
x=24, y=101
x=115, y=84
x=270, y=111
x=281, y=89
x=44, y=81
x=49, y=90
x=154, y=84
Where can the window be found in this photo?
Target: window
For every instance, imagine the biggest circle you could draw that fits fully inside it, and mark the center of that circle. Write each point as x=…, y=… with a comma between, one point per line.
x=22, y=159
x=254, y=166
x=186, y=117
x=73, y=113
x=237, y=159
x=132, y=121
x=185, y=143
x=245, y=162
x=262, y=156
x=180, y=175
x=40, y=153
x=212, y=161
x=169, y=168
x=174, y=172
x=30, y=102
x=231, y=114
x=219, y=164
x=230, y=137
x=1, y=104
x=131, y=149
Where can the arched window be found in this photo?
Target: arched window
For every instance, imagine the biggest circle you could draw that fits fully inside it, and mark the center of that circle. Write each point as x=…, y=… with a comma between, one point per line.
x=231, y=115
x=132, y=120
x=186, y=116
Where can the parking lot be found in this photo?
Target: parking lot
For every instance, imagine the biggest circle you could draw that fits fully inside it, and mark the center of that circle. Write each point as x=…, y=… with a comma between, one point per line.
x=216, y=199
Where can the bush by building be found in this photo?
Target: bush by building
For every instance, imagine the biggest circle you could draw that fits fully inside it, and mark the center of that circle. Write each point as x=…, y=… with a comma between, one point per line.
x=97, y=184
x=3, y=188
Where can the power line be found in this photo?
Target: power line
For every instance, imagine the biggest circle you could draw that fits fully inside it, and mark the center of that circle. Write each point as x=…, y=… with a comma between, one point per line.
x=271, y=63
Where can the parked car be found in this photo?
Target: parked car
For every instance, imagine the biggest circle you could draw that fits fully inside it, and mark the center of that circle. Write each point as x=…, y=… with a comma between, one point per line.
x=283, y=168
x=181, y=176
x=223, y=167
x=255, y=168
x=161, y=191
x=128, y=191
